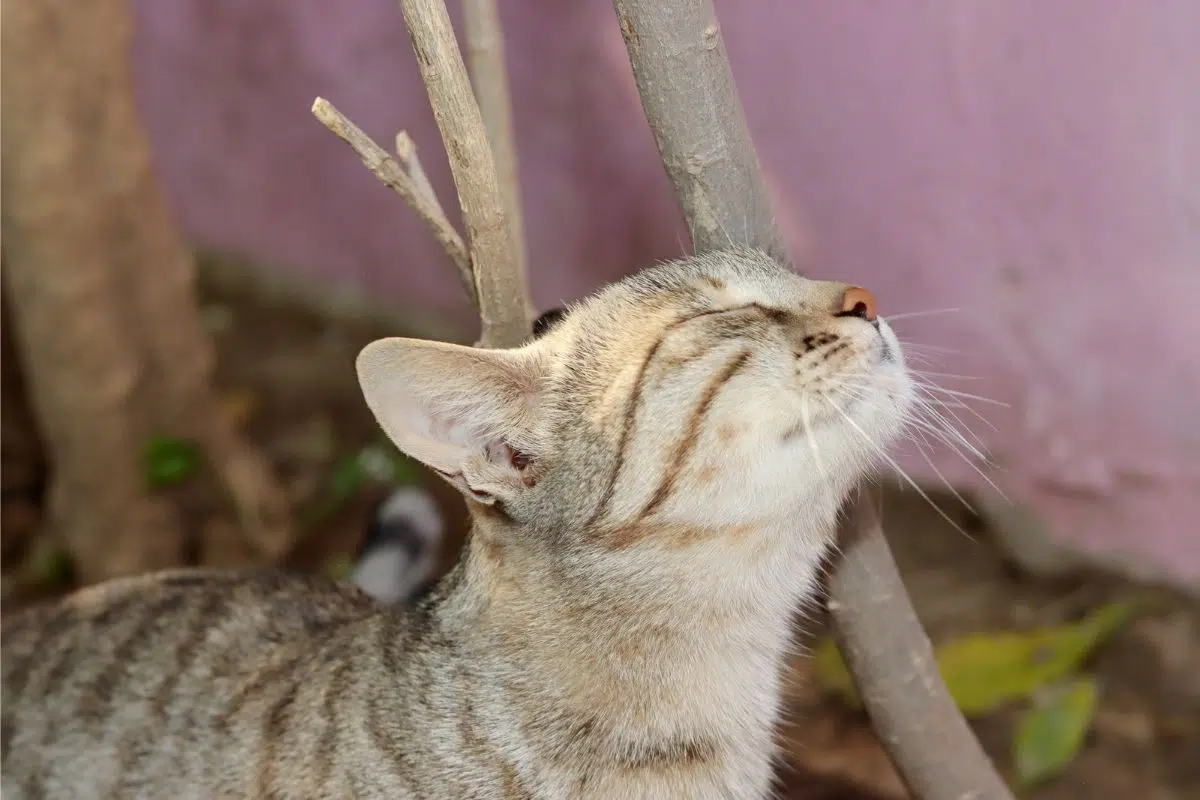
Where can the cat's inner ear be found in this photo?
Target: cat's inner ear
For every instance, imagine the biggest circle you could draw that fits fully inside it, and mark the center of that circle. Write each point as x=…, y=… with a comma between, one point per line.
x=468, y=413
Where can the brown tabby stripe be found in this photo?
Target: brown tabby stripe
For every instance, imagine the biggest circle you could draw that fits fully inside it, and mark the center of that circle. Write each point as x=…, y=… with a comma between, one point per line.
x=380, y=731
x=631, y=407
x=691, y=432
x=331, y=722
x=17, y=675
x=379, y=727
x=265, y=677
x=275, y=731
x=197, y=625
x=477, y=745
x=99, y=696
x=135, y=747
x=667, y=754
x=63, y=661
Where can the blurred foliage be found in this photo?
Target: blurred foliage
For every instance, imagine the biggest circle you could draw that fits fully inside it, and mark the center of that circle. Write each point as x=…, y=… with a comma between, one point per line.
x=1051, y=732
x=985, y=672
x=50, y=565
x=340, y=567
x=378, y=462
x=168, y=461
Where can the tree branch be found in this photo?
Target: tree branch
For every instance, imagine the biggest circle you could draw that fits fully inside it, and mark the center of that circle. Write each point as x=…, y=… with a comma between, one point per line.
x=691, y=102
x=489, y=77
x=503, y=301
x=409, y=182
x=896, y=670
x=406, y=151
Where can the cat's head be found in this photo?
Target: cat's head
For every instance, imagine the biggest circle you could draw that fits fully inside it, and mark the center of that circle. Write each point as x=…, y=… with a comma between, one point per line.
x=689, y=406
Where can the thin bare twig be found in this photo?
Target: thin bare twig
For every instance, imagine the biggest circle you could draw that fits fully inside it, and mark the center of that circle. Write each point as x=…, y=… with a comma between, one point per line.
x=416, y=191
x=691, y=102
x=503, y=299
x=406, y=151
x=489, y=78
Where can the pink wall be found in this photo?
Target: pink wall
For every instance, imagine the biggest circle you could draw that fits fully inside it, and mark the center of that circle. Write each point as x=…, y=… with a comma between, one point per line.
x=1035, y=165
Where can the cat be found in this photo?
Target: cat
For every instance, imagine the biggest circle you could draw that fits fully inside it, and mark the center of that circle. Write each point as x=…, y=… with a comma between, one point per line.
x=653, y=481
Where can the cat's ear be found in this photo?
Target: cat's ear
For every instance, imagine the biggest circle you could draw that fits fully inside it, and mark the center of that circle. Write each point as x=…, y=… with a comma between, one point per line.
x=468, y=413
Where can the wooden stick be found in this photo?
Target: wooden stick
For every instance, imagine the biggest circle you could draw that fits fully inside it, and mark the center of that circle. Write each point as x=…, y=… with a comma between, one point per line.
x=406, y=151
x=416, y=191
x=895, y=668
x=688, y=93
x=489, y=78
x=503, y=300
x=691, y=103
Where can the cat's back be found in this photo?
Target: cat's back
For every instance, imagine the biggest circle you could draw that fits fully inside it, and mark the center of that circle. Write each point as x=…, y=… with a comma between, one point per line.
x=124, y=683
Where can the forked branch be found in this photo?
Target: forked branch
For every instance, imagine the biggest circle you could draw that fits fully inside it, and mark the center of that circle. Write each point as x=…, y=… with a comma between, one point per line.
x=691, y=102
x=503, y=301
x=491, y=262
x=408, y=181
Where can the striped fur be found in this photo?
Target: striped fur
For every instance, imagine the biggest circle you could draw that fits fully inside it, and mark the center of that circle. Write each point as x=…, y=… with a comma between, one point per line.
x=653, y=480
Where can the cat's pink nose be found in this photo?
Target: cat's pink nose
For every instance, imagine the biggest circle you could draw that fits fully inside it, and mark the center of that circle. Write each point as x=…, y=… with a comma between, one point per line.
x=858, y=302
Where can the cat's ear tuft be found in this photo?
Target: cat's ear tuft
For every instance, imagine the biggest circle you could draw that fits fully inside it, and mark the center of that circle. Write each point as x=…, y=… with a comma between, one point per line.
x=468, y=413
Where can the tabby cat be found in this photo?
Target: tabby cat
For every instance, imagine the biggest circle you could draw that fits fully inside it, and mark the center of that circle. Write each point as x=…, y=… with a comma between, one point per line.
x=653, y=483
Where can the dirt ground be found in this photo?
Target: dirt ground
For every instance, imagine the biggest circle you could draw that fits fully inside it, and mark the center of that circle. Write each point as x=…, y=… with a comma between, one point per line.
x=288, y=372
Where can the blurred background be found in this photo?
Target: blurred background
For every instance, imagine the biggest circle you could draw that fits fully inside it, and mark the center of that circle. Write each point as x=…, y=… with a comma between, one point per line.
x=191, y=262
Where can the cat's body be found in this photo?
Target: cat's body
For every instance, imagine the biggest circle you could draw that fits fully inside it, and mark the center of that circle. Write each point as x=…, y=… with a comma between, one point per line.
x=653, y=483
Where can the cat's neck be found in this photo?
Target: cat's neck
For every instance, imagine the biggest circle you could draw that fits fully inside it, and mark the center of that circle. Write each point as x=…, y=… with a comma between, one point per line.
x=688, y=665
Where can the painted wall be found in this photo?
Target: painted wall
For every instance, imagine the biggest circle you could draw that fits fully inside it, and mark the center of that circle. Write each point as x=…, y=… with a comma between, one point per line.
x=1034, y=165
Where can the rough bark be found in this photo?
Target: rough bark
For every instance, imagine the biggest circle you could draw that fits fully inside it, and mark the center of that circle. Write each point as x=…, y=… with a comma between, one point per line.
x=102, y=299
x=685, y=83
x=504, y=307
x=489, y=78
x=691, y=102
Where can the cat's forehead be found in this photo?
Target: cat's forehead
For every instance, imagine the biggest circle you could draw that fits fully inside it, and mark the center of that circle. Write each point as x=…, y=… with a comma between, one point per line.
x=709, y=281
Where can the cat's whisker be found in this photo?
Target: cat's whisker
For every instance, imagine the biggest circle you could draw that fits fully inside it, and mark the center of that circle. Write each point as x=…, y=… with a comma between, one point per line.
x=937, y=425
x=945, y=481
x=930, y=397
x=953, y=439
x=899, y=470
x=890, y=318
x=966, y=395
x=924, y=373
x=947, y=436
x=935, y=412
x=806, y=419
x=922, y=347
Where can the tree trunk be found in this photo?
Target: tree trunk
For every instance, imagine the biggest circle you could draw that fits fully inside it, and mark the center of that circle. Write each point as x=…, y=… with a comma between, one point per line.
x=22, y=465
x=102, y=302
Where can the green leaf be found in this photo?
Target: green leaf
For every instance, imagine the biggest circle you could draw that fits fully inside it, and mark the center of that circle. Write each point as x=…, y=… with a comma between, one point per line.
x=51, y=565
x=348, y=477
x=379, y=461
x=168, y=461
x=402, y=469
x=340, y=567
x=832, y=672
x=1050, y=734
x=986, y=671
